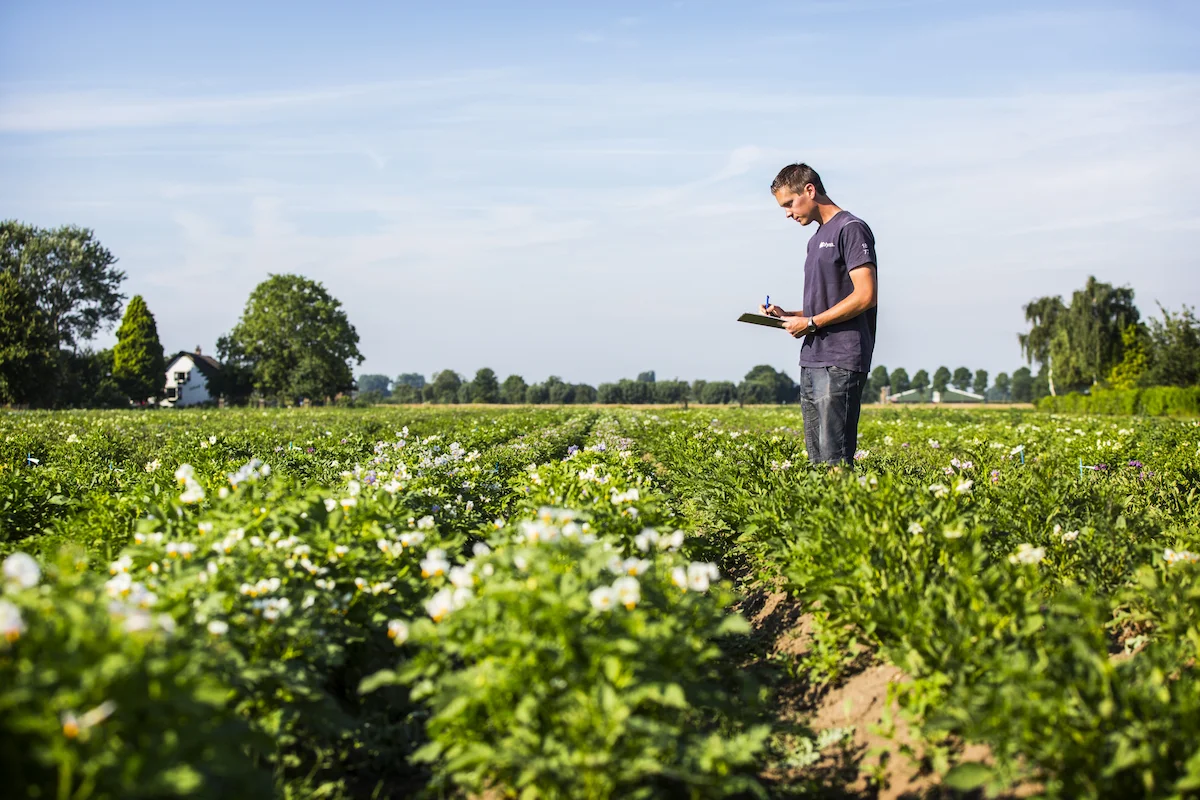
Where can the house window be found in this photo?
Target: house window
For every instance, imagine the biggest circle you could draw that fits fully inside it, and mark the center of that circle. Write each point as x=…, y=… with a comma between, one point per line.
x=172, y=393
x=181, y=377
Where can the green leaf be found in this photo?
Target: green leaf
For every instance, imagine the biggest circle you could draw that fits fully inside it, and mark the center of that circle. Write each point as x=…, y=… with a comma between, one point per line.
x=967, y=776
x=385, y=677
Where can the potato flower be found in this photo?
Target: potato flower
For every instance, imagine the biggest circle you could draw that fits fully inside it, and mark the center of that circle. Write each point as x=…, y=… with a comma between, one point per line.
x=21, y=571
x=434, y=563
x=602, y=598
x=1180, y=556
x=11, y=623
x=397, y=631
x=1027, y=554
x=628, y=591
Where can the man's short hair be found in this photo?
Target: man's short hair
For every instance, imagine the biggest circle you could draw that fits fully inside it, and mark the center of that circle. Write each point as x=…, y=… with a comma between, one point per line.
x=796, y=177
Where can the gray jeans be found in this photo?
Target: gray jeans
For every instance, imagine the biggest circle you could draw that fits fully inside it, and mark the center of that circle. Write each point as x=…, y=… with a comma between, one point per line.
x=830, y=401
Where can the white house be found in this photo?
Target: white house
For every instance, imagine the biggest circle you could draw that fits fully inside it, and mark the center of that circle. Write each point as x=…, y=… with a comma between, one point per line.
x=188, y=376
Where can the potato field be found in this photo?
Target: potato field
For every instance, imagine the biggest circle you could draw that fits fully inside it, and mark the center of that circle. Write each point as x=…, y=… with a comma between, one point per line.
x=596, y=602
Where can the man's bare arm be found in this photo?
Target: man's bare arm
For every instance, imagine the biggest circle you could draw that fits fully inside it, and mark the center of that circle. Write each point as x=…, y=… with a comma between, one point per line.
x=859, y=300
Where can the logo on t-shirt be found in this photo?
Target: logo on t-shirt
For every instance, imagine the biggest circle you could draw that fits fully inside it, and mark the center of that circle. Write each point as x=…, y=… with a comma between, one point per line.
x=826, y=244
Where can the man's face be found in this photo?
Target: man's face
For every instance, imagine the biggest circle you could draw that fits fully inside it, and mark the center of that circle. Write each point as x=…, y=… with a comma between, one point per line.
x=800, y=206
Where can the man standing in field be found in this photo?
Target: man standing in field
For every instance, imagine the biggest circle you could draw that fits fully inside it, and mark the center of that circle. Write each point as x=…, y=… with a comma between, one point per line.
x=838, y=318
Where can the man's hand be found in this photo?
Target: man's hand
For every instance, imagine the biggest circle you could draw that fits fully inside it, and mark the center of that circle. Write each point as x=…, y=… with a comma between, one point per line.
x=772, y=311
x=796, y=326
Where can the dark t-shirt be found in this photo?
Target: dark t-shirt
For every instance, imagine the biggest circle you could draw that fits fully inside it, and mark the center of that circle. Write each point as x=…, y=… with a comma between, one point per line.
x=839, y=246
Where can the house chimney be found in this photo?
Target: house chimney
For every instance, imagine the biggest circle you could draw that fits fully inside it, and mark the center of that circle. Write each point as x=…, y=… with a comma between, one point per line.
x=197, y=349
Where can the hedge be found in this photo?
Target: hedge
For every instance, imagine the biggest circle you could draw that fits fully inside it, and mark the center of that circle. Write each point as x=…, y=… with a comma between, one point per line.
x=1157, y=401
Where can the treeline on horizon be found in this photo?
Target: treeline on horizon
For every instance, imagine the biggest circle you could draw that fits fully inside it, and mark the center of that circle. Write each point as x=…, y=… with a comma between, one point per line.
x=762, y=385
x=294, y=344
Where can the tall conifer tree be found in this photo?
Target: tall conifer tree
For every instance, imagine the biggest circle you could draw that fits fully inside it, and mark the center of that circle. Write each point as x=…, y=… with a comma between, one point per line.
x=138, y=363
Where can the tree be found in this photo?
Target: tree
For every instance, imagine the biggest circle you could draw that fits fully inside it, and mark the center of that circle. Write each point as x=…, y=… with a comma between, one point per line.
x=698, y=389
x=512, y=391
x=1135, y=360
x=1041, y=383
x=941, y=379
x=537, y=394
x=979, y=386
x=445, y=386
x=876, y=383
x=1001, y=387
x=899, y=381
x=920, y=381
x=646, y=377
x=1175, y=349
x=961, y=379
x=378, y=385
x=1078, y=344
x=559, y=392
x=763, y=384
x=719, y=392
x=485, y=388
x=28, y=352
x=70, y=275
x=139, y=367
x=1043, y=316
x=671, y=391
x=584, y=394
x=1022, y=385
x=235, y=382
x=636, y=392
x=297, y=339
x=414, y=379
x=610, y=394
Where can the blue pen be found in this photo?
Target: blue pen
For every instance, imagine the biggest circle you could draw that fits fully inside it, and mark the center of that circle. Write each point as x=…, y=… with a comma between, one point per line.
x=768, y=303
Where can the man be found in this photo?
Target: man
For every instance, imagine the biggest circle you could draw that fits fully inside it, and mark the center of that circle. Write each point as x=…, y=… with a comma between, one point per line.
x=838, y=318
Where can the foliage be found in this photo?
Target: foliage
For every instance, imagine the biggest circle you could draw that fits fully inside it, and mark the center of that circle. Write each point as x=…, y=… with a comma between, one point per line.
x=877, y=381
x=1153, y=401
x=980, y=383
x=1022, y=385
x=941, y=379
x=378, y=384
x=485, y=388
x=69, y=273
x=899, y=381
x=961, y=379
x=1175, y=351
x=138, y=364
x=296, y=339
x=920, y=380
x=27, y=347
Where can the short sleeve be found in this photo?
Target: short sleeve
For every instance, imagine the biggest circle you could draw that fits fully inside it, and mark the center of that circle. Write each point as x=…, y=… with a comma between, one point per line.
x=858, y=245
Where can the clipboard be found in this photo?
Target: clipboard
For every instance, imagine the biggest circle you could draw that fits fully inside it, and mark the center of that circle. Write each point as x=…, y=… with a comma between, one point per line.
x=761, y=319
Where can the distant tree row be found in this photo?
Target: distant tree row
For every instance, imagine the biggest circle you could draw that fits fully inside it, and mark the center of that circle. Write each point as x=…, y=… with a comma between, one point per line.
x=1021, y=387
x=763, y=384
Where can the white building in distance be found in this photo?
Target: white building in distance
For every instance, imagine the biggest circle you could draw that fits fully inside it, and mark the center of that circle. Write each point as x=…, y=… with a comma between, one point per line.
x=188, y=377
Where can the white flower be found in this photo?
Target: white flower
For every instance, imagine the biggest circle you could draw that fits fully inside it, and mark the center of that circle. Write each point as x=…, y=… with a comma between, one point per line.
x=679, y=578
x=1070, y=536
x=939, y=489
x=963, y=486
x=646, y=539
x=349, y=503
x=480, y=549
x=330, y=504
x=192, y=492
x=952, y=533
x=11, y=624
x=1027, y=554
x=915, y=528
x=628, y=591
x=859, y=455
x=700, y=574
x=434, y=563
x=602, y=599
x=425, y=523
x=21, y=571
x=218, y=627
x=1180, y=556
x=934, y=444
x=462, y=577
x=635, y=566
x=354, y=488
x=212, y=440
x=397, y=631
x=184, y=473
x=440, y=605
x=152, y=466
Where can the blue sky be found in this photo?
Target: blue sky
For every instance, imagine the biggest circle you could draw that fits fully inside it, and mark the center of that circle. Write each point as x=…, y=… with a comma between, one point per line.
x=581, y=190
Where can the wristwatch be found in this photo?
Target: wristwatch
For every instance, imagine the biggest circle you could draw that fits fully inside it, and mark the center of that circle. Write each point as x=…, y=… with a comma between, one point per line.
x=812, y=325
